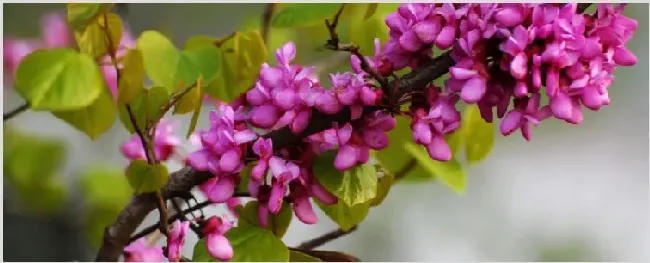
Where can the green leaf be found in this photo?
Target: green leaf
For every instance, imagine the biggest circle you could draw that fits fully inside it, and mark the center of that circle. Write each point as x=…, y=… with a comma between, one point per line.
x=146, y=107
x=105, y=186
x=355, y=186
x=59, y=79
x=81, y=14
x=295, y=256
x=242, y=59
x=277, y=37
x=393, y=159
x=45, y=197
x=304, y=14
x=93, y=120
x=450, y=173
x=189, y=101
x=277, y=224
x=344, y=215
x=165, y=65
x=206, y=59
x=144, y=177
x=383, y=187
x=23, y=151
x=250, y=244
x=478, y=135
x=200, y=40
x=106, y=191
x=370, y=11
x=94, y=41
x=132, y=77
x=197, y=108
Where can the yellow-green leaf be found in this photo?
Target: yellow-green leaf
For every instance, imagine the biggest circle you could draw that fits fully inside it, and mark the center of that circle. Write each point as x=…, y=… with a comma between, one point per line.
x=165, y=65
x=450, y=173
x=199, y=40
x=242, y=59
x=344, y=215
x=393, y=159
x=106, y=191
x=132, y=77
x=94, y=39
x=478, y=135
x=81, y=14
x=197, y=107
x=370, y=11
x=277, y=224
x=304, y=14
x=295, y=256
x=146, y=107
x=250, y=244
x=59, y=79
x=144, y=177
x=354, y=186
x=383, y=187
x=93, y=120
x=206, y=60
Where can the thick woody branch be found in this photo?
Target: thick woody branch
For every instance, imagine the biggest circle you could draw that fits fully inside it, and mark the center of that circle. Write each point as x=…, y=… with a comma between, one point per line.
x=117, y=235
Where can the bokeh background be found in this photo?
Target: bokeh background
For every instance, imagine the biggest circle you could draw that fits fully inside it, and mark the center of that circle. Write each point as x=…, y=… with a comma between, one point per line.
x=574, y=193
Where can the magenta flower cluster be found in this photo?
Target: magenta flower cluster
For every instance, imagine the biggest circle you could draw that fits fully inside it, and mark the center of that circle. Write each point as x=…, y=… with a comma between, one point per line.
x=503, y=52
x=509, y=52
x=506, y=57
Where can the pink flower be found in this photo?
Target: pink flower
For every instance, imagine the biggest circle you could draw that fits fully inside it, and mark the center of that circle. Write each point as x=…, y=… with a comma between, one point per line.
x=264, y=149
x=283, y=173
x=141, y=251
x=164, y=142
x=527, y=112
x=176, y=239
x=218, y=245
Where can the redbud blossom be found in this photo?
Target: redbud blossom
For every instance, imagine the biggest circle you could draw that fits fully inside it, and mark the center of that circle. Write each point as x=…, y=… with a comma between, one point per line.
x=141, y=251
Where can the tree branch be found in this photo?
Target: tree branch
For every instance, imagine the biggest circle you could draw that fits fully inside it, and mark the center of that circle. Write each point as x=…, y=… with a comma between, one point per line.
x=117, y=235
x=266, y=21
x=15, y=112
x=323, y=239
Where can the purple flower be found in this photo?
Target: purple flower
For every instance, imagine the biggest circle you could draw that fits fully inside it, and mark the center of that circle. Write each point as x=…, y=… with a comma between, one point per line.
x=176, y=239
x=141, y=251
x=283, y=173
x=218, y=245
x=527, y=112
x=164, y=143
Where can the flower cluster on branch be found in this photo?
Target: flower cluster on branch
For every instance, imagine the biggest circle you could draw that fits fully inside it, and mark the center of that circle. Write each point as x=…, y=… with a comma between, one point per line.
x=505, y=55
x=500, y=57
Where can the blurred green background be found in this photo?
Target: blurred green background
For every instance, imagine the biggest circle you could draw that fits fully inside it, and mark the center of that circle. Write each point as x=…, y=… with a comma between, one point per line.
x=574, y=193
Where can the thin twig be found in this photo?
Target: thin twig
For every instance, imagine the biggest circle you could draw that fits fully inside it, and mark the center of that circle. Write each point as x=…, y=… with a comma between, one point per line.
x=179, y=215
x=15, y=112
x=409, y=166
x=323, y=239
x=266, y=21
x=195, y=228
x=334, y=44
x=162, y=208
